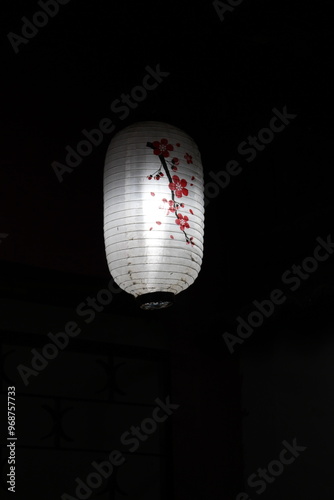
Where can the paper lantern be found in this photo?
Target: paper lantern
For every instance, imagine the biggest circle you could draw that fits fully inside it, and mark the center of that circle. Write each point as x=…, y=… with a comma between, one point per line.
x=153, y=212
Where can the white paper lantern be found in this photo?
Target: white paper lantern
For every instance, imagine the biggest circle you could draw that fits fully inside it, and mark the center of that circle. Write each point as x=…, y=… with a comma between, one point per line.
x=153, y=211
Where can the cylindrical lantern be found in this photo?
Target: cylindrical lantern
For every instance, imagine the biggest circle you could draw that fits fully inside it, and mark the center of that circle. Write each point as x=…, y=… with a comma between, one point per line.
x=153, y=212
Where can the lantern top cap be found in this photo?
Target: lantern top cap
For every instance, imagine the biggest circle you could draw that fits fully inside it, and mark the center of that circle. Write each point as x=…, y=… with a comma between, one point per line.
x=155, y=124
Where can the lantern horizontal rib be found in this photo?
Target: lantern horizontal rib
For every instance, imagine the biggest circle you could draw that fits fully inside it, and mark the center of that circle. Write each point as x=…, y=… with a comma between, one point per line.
x=120, y=241
x=153, y=209
x=134, y=223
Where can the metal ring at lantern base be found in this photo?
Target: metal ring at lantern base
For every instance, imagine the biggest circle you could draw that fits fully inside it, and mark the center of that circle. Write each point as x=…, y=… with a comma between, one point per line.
x=155, y=300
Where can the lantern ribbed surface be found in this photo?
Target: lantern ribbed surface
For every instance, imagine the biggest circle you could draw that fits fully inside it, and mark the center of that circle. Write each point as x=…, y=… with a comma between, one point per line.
x=153, y=209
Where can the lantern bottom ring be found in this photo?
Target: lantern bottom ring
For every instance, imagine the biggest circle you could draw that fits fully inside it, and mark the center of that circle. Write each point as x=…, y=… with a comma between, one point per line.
x=155, y=300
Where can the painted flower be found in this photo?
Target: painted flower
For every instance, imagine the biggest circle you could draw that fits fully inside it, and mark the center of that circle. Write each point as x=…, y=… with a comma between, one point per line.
x=182, y=221
x=162, y=148
x=188, y=158
x=171, y=207
x=179, y=186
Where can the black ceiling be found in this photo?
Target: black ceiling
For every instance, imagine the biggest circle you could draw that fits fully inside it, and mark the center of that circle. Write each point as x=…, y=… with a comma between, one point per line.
x=225, y=78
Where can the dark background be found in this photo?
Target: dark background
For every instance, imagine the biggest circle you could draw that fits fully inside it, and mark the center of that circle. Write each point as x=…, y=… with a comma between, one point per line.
x=225, y=79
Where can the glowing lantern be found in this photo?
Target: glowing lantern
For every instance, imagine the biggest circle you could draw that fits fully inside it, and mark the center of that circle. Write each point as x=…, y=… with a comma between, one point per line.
x=153, y=212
